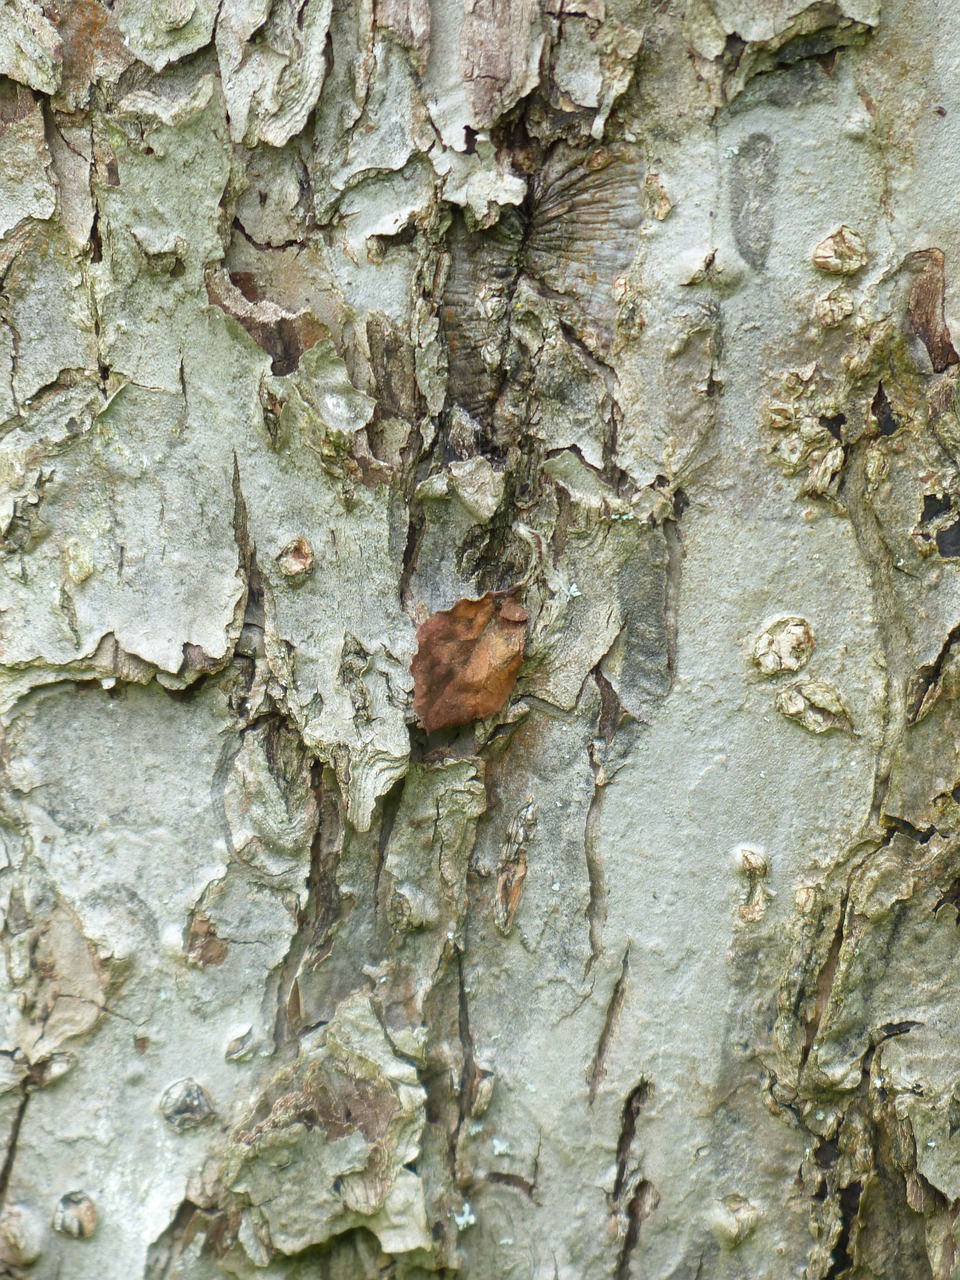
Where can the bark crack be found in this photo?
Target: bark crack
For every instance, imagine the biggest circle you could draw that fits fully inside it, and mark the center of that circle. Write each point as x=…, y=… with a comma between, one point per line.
x=13, y=1138
x=610, y=1023
x=597, y=901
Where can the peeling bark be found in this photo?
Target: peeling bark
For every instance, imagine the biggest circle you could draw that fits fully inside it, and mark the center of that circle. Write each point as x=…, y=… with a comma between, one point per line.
x=614, y=935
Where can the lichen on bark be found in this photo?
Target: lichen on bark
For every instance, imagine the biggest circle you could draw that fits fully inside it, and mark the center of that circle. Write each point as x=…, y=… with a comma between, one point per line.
x=635, y=319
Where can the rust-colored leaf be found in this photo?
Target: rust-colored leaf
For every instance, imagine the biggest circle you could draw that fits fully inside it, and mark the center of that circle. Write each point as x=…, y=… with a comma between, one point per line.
x=467, y=661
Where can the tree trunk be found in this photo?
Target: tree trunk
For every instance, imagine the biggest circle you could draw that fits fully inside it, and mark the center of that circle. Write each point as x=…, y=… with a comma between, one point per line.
x=335, y=947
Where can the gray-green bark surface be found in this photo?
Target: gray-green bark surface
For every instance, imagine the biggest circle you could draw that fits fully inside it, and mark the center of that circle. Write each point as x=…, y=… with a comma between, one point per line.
x=318, y=317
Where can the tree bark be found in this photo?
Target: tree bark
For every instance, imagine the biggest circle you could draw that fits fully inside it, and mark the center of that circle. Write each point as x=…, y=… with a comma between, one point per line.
x=615, y=337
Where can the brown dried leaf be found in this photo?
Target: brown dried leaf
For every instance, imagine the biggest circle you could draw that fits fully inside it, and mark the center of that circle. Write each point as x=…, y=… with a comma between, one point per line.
x=467, y=660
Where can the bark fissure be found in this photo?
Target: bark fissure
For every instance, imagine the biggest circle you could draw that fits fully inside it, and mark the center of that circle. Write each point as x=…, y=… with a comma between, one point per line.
x=607, y=1032
x=318, y=318
x=13, y=1139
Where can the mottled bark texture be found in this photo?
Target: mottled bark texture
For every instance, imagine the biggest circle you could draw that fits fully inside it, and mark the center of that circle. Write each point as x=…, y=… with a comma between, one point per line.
x=318, y=317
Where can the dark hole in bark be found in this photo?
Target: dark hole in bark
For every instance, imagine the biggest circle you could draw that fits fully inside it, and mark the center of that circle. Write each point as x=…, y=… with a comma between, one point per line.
x=406, y=235
x=826, y=1153
x=734, y=48
x=886, y=419
x=96, y=244
x=286, y=350
x=834, y=424
x=841, y=1261
x=948, y=541
x=934, y=504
